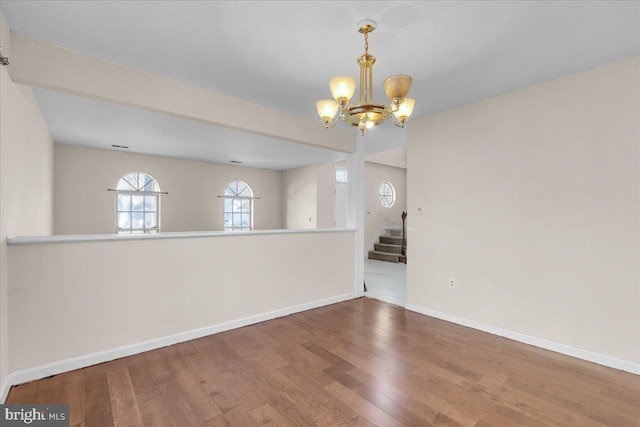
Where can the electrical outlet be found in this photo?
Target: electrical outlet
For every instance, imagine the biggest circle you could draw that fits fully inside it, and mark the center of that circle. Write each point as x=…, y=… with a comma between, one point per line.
x=452, y=282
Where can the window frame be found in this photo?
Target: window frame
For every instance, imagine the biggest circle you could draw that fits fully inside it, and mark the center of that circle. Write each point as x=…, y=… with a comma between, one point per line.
x=237, y=196
x=383, y=196
x=137, y=190
x=343, y=172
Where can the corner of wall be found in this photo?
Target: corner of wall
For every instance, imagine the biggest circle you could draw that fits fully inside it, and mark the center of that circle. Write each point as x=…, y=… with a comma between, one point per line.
x=5, y=49
x=26, y=183
x=5, y=37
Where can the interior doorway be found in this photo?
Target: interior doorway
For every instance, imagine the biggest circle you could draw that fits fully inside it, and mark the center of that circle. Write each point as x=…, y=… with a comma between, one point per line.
x=386, y=241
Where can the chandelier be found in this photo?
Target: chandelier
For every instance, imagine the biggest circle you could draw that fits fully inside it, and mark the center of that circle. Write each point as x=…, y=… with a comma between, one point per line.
x=366, y=114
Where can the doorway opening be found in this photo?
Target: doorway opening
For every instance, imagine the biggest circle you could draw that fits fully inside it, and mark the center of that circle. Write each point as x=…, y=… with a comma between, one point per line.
x=386, y=227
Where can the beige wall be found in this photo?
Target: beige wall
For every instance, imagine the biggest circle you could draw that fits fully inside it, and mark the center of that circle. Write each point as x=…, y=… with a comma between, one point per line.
x=396, y=157
x=531, y=202
x=299, y=189
x=376, y=216
x=26, y=180
x=169, y=286
x=308, y=196
x=84, y=206
x=324, y=193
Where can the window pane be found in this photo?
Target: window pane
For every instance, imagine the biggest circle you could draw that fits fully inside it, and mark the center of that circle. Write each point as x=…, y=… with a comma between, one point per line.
x=137, y=203
x=238, y=188
x=135, y=210
x=237, y=210
x=151, y=203
x=127, y=182
x=124, y=220
x=387, y=195
x=137, y=220
x=227, y=220
x=124, y=202
x=145, y=182
x=243, y=190
x=137, y=181
x=150, y=220
x=341, y=175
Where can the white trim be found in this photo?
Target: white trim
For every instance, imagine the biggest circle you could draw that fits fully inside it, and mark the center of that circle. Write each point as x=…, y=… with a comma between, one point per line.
x=4, y=391
x=355, y=208
x=39, y=372
x=34, y=240
x=590, y=356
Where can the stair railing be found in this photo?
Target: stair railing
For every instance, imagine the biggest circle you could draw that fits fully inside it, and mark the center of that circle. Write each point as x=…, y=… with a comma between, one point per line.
x=404, y=236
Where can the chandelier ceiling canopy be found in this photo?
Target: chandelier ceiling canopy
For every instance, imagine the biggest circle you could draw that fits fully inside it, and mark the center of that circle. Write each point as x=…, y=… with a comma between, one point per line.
x=366, y=113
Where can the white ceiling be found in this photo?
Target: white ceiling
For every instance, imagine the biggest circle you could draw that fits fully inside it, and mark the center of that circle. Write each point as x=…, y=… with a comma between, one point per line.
x=282, y=54
x=81, y=121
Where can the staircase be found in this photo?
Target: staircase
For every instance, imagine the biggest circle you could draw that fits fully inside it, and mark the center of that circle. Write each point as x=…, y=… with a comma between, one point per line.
x=390, y=247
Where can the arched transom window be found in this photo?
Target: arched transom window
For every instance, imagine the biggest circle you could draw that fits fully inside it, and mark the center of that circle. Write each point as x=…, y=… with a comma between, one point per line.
x=137, y=204
x=238, y=207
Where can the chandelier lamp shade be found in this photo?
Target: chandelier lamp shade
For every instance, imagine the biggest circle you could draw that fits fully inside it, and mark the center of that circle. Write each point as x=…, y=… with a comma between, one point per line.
x=366, y=114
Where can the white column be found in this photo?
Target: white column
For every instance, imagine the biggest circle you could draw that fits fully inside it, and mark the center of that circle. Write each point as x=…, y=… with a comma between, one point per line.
x=355, y=208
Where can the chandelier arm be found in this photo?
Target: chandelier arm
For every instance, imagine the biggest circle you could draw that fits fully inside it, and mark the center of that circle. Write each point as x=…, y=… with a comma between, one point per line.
x=331, y=124
x=334, y=121
x=398, y=123
x=393, y=117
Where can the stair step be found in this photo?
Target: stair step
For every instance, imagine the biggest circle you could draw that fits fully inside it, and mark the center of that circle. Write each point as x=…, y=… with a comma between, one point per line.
x=394, y=232
x=391, y=240
x=384, y=256
x=385, y=247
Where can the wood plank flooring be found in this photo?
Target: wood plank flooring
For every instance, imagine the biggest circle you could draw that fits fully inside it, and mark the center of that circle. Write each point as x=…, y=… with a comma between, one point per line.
x=358, y=363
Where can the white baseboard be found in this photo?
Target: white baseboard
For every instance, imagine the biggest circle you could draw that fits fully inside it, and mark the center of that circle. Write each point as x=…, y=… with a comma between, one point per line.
x=39, y=372
x=5, y=389
x=601, y=359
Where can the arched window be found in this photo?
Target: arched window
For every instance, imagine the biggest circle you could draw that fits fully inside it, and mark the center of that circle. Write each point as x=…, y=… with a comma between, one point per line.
x=137, y=204
x=387, y=195
x=238, y=207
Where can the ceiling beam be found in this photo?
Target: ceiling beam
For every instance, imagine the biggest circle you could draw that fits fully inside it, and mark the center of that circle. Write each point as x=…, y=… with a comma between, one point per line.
x=39, y=64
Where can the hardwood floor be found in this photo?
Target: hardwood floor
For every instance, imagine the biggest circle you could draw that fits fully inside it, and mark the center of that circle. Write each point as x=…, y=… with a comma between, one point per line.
x=361, y=362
